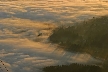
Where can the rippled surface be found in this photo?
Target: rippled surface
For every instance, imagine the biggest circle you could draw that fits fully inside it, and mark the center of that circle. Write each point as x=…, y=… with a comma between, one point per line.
x=23, y=49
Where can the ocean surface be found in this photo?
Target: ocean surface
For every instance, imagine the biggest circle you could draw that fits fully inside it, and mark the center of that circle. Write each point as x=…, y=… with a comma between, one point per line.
x=26, y=25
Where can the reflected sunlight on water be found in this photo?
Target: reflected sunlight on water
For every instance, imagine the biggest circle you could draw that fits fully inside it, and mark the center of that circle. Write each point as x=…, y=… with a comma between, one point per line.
x=26, y=25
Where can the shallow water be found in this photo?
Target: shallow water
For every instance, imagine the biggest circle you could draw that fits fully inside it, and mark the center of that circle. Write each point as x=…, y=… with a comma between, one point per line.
x=26, y=25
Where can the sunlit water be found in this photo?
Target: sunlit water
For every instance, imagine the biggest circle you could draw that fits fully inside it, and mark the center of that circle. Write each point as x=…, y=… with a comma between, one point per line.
x=21, y=23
